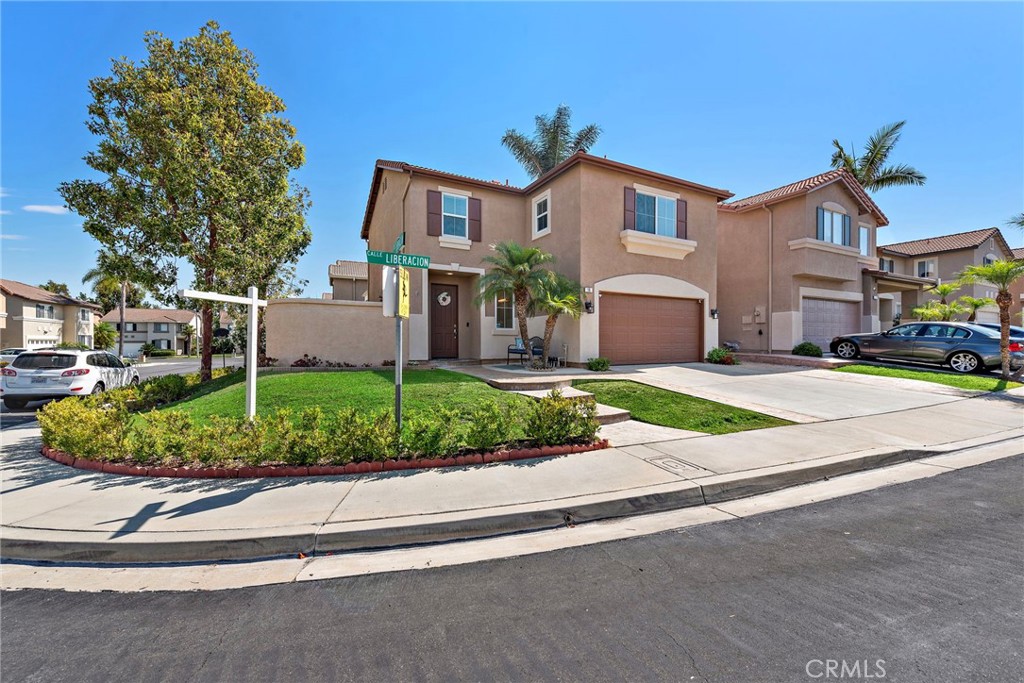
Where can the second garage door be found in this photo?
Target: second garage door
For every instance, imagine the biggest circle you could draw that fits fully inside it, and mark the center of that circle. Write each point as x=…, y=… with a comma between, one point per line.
x=649, y=329
x=824, y=319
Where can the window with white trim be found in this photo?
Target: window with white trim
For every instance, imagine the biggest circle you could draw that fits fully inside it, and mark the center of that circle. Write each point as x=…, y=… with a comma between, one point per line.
x=43, y=311
x=454, y=215
x=865, y=241
x=504, y=310
x=834, y=227
x=988, y=260
x=84, y=315
x=160, y=327
x=541, y=214
x=655, y=215
x=886, y=265
x=925, y=268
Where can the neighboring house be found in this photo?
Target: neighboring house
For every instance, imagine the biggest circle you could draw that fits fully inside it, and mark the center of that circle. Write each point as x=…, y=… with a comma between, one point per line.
x=944, y=258
x=642, y=244
x=798, y=263
x=1017, y=292
x=34, y=318
x=163, y=328
x=348, y=280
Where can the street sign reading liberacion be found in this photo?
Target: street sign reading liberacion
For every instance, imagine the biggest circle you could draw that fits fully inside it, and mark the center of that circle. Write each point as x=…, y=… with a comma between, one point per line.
x=386, y=258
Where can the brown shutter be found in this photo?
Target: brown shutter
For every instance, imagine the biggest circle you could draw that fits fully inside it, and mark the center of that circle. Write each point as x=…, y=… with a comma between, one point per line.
x=629, y=216
x=433, y=212
x=474, y=219
x=681, y=219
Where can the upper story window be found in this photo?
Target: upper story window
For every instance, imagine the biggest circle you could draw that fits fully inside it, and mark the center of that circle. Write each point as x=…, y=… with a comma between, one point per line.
x=886, y=265
x=865, y=241
x=988, y=260
x=44, y=311
x=160, y=327
x=926, y=268
x=655, y=215
x=454, y=215
x=132, y=327
x=504, y=310
x=84, y=315
x=834, y=227
x=542, y=214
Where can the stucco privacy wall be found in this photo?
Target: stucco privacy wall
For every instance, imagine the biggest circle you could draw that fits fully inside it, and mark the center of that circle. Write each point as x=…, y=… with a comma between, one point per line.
x=342, y=331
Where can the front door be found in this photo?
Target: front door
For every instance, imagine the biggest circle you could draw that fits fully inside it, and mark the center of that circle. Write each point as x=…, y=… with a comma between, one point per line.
x=444, y=321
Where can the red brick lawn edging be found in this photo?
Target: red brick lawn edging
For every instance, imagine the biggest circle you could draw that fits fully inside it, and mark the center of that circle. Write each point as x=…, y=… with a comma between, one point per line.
x=389, y=465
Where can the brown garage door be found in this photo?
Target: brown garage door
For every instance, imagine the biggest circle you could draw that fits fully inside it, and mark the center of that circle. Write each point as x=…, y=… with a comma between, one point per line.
x=649, y=329
x=824, y=319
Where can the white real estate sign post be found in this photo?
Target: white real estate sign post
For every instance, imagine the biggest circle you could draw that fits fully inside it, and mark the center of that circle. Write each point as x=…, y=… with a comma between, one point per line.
x=253, y=302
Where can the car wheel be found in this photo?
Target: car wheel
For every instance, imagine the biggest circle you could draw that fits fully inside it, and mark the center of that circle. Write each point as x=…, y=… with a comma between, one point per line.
x=97, y=388
x=964, y=361
x=15, y=403
x=847, y=350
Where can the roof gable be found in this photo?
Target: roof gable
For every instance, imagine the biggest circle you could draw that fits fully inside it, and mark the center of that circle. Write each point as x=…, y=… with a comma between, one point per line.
x=971, y=239
x=30, y=293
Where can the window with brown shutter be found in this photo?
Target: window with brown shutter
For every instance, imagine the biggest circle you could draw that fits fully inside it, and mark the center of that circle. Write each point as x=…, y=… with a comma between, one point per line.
x=474, y=220
x=681, y=219
x=629, y=215
x=433, y=213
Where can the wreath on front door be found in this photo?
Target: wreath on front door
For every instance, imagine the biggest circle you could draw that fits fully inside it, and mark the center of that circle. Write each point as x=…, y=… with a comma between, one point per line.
x=444, y=298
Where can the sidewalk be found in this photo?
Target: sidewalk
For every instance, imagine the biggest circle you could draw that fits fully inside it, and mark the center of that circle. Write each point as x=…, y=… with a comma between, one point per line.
x=51, y=512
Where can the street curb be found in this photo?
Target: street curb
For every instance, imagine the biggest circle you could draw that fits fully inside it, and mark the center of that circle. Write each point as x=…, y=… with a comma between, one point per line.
x=18, y=543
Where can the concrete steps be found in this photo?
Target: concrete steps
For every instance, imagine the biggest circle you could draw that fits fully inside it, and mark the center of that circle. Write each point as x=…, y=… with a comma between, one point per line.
x=529, y=384
x=606, y=415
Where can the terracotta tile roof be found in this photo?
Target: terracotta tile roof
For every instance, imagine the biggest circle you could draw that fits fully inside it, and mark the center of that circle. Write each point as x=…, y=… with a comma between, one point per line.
x=1018, y=253
x=30, y=293
x=150, y=315
x=802, y=187
x=348, y=269
x=955, y=242
x=578, y=157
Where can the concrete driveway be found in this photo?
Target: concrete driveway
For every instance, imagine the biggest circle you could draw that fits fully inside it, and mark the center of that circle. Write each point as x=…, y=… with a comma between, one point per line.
x=798, y=394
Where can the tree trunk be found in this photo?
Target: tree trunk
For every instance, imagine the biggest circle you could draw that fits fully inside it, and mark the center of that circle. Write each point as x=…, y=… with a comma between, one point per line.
x=1003, y=299
x=549, y=331
x=524, y=332
x=206, y=365
x=124, y=301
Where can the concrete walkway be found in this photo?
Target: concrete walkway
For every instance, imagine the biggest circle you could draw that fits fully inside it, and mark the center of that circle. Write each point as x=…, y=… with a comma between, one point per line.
x=51, y=512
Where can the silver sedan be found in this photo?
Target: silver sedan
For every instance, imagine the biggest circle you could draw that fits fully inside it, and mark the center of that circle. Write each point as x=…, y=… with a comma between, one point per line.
x=962, y=346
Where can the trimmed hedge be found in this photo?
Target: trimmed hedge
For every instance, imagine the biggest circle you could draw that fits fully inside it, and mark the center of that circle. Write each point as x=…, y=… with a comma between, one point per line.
x=105, y=427
x=162, y=353
x=807, y=349
x=599, y=364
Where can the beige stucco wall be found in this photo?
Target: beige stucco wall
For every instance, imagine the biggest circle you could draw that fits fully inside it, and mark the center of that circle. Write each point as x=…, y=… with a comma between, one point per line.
x=341, y=331
x=348, y=289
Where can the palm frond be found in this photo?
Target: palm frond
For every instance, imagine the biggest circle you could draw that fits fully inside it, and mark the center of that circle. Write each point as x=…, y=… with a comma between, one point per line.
x=893, y=176
x=878, y=148
x=842, y=159
x=585, y=139
x=524, y=150
x=1017, y=221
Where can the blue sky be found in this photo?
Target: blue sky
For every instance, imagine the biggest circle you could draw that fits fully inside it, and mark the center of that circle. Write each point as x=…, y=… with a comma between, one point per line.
x=734, y=95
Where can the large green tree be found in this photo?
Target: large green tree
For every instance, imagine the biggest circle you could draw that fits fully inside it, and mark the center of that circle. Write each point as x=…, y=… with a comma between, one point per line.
x=56, y=287
x=517, y=269
x=552, y=143
x=197, y=158
x=1001, y=275
x=870, y=168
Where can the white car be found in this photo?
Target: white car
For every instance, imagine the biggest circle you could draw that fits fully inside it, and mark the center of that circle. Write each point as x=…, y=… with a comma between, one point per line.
x=40, y=375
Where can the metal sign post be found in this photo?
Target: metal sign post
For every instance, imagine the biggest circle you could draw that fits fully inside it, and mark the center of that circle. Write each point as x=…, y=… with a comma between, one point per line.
x=397, y=278
x=398, y=350
x=254, y=303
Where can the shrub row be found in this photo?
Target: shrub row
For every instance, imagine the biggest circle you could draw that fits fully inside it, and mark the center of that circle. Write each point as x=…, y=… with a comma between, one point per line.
x=721, y=356
x=105, y=428
x=807, y=349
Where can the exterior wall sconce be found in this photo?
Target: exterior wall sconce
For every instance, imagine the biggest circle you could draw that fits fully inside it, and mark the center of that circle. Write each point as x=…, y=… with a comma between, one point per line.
x=714, y=314
x=588, y=306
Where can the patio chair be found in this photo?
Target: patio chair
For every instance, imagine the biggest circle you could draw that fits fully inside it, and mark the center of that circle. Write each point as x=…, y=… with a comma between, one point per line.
x=519, y=349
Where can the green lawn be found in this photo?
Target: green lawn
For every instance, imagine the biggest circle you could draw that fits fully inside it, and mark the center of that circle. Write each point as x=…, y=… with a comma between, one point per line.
x=670, y=409
x=369, y=390
x=973, y=382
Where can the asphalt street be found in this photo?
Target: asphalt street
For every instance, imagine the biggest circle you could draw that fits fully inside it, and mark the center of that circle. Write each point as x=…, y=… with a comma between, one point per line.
x=915, y=582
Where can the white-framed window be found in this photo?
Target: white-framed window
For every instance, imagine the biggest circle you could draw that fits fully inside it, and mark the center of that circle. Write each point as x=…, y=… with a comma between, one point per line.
x=865, y=241
x=834, y=227
x=886, y=265
x=925, y=268
x=131, y=327
x=989, y=259
x=454, y=215
x=84, y=315
x=85, y=339
x=160, y=327
x=542, y=214
x=504, y=311
x=655, y=214
x=44, y=311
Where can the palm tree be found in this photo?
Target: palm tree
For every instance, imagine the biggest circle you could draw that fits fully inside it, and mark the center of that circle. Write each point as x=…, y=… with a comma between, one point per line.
x=973, y=304
x=1001, y=275
x=945, y=290
x=104, y=336
x=559, y=296
x=112, y=273
x=939, y=310
x=517, y=269
x=1017, y=221
x=870, y=169
x=552, y=143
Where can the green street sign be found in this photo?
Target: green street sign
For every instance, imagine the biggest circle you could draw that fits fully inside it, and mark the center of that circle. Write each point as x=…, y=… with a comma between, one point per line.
x=387, y=258
x=399, y=243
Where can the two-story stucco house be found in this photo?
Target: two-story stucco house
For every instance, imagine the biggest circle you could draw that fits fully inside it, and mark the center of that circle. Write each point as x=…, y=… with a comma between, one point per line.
x=944, y=258
x=34, y=318
x=798, y=263
x=642, y=244
x=348, y=280
x=162, y=327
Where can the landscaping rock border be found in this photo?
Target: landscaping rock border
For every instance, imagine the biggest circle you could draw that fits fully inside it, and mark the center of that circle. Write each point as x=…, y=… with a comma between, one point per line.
x=261, y=471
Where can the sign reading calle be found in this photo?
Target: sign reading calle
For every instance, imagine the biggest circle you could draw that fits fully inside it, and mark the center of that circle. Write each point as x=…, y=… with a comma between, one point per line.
x=387, y=258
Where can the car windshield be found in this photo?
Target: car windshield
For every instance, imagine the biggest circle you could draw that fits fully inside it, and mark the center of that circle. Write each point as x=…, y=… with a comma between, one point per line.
x=44, y=361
